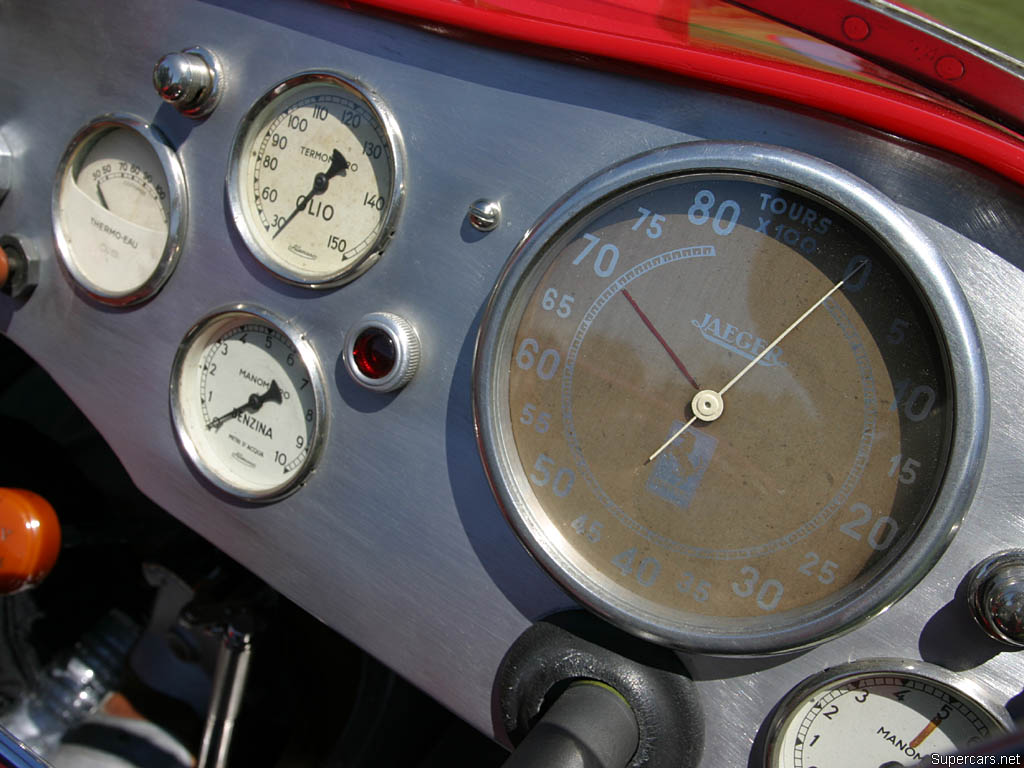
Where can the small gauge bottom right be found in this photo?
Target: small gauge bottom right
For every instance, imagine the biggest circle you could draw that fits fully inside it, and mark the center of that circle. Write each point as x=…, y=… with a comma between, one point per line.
x=880, y=713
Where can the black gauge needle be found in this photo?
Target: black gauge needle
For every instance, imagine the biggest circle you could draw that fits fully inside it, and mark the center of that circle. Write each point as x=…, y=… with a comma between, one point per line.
x=103, y=200
x=320, y=183
x=253, y=404
x=660, y=338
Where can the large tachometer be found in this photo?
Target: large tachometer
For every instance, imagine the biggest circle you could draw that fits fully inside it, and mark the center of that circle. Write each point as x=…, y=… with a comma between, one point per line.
x=729, y=398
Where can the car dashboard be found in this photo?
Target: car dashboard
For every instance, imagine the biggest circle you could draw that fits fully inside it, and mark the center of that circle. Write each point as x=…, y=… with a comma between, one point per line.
x=393, y=534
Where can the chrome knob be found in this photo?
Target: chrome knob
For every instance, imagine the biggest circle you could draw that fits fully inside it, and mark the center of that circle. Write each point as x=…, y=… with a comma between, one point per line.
x=995, y=589
x=189, y=81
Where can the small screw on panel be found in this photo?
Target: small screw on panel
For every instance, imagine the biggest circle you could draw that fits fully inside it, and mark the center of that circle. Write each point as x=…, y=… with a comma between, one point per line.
x=485, y=214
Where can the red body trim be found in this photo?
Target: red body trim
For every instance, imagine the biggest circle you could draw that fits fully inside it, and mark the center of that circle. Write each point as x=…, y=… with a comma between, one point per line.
x=642, y=33
x=938, y=63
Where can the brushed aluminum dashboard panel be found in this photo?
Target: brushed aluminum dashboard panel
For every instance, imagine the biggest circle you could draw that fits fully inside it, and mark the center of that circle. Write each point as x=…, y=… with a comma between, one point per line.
x=396, y=540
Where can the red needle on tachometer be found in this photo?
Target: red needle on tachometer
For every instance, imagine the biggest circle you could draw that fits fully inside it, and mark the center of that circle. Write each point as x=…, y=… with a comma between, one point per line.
x=661, y=340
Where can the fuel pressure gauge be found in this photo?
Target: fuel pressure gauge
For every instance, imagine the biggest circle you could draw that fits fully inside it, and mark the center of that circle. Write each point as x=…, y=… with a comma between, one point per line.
x=316, y=179
x=881, y=713
x=119, y=209
x=248, y=403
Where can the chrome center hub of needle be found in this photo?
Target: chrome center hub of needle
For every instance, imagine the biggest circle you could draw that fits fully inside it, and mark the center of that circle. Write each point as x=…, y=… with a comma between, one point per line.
x=707, y=405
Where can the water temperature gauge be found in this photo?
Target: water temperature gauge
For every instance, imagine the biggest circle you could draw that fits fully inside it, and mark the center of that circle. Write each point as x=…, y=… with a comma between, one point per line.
x=882, y=713
x=247, y=397
x=119, y=209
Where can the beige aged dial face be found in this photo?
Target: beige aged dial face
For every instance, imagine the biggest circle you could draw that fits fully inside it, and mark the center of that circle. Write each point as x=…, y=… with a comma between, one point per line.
x=119, y=210
x=828, y=451
x=315, y=181
x=248, y=404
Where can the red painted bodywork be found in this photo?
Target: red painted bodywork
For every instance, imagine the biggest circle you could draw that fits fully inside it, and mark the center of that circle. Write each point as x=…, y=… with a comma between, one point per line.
x=721, y=44
x=993, y=88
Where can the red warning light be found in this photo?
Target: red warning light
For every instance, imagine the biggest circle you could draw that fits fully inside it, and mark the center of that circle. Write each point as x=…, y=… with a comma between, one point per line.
x=374, y=353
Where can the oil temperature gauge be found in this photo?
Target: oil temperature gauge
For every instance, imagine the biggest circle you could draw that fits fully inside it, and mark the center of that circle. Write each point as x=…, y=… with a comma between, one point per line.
x=247, y=398
x=880, y=713
x=315, y=182
x=119, y=209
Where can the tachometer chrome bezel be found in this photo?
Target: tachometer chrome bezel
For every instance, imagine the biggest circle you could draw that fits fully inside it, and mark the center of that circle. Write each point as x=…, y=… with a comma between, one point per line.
x=918, y=258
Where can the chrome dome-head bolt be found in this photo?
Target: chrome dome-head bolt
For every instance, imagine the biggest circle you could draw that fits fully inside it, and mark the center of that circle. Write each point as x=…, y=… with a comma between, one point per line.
x=190, y=81
x=485, y=215
x=995, y=594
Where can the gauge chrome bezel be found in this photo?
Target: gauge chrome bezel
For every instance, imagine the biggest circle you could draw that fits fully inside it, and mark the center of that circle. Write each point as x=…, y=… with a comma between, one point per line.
x=953, y=325
x=964, y=689
x=246, y=131
x=177, y=201
x=203, y=330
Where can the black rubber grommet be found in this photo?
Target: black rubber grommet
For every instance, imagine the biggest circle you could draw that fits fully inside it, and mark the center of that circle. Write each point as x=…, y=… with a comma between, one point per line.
x=577, y=646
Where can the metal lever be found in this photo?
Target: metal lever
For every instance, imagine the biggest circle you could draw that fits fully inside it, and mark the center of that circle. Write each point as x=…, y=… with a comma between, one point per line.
x=228, y=602
x=229, y=679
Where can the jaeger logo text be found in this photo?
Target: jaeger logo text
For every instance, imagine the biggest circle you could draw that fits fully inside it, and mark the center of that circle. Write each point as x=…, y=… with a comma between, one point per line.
x=743, y=343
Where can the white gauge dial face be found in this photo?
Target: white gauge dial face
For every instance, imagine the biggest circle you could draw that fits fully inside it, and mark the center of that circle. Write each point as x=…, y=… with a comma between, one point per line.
x=113, y=211
x=247, y=404
x=880, y=719
x=314, y=183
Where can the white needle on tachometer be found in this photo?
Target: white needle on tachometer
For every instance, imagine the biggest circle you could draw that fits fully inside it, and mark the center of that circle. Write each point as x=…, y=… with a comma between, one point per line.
x=707, y=405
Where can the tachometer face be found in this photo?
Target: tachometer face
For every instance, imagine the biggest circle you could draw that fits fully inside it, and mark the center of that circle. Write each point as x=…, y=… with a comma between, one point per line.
x=880, y=712
x=248, y=403
x=316, y=179
x=801, y=489
x=119, y=209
